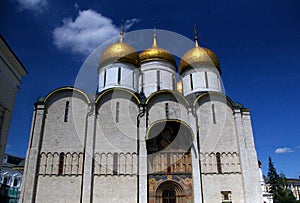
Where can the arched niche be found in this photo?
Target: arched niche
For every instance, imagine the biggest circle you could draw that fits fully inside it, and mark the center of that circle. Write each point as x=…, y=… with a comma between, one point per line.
x=169, y=136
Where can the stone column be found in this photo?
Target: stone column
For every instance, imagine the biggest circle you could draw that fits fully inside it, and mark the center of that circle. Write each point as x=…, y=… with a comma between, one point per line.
x=31, y=168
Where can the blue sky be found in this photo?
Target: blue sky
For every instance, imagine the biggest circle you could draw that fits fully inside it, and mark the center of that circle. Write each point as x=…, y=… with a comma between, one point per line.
x=257, y=43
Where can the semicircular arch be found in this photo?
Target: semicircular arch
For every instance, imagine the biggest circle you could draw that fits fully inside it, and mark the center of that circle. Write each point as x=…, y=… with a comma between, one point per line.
x=117, y=92
x=175, y=96
x=163, y=121
x=215, y=96
x=169, y=185
x=72, y=89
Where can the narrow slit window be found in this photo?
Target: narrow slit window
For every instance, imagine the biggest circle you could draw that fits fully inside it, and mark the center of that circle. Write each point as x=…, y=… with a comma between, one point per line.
x=117, y=111
x=61, y=163
x=169, y=163
x=119, y=75
x=158, y=79
x=67, y=111
x=213, y=113
x=115, y=164
x=173, y=82
x=133, y=80
x=167, y=110
x=191, y=80
x=206, y=79
x=104, y=80
x=142, y=82
x=219, y=166
x=219, y=83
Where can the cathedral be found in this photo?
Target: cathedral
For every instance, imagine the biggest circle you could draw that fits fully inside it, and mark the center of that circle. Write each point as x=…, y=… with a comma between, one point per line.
x=156, y=131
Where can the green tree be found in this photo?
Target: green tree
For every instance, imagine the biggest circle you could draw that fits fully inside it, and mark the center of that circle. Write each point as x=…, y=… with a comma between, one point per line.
x=279, y=186
x=272, y=176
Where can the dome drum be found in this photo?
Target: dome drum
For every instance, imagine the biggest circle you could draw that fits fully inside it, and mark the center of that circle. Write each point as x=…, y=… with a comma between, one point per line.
x=118, y=75
x=201, y=80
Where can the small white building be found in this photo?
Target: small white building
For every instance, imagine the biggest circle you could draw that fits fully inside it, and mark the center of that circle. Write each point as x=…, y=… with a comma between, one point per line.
x=11, y=173
x=141, y=139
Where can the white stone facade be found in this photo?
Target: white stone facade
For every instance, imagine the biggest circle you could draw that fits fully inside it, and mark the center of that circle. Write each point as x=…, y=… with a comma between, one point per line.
x=125, y=146
x=11, y=73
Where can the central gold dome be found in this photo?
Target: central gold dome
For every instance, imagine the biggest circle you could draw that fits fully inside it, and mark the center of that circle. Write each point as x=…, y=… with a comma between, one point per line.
x=156, y=53
x=199, y=56
x=119, y=52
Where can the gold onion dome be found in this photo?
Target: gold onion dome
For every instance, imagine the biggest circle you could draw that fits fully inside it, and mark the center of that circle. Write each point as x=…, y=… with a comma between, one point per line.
x=156, y=53
x=119, y=52
x=198, y=56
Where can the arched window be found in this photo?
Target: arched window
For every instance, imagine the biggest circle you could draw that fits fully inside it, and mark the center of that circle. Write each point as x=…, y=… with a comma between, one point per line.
x=169, y=196
x=117, y=111
x=104, y=80
x=167, y=110
x=133, y=79
x=158, y=79
x=191, y=81
x=213, y=113
x=115, y=164
x=67, y=111
x=173, y=82
x=61, y=163
x=142, y=82
x=206, y=79
x=15, y=182
x=5, y=180
x=219, y=166
x=119, y=76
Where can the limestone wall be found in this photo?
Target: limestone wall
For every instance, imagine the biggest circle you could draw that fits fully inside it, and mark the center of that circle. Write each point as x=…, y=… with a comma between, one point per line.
x=115, y=189
x=116, y=134
x=58, y=189
x=217, y=128
x=215, y=184
x=62, y=135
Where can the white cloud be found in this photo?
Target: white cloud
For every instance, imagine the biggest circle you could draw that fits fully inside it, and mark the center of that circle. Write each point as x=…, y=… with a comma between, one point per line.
x=283, y=150
x=35, y=5
x=129, y=23
x=86, y=32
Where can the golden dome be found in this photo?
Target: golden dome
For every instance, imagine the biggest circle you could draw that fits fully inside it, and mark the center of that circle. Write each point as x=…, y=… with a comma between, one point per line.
x=119, y=52
x=156, y=53
x=199, y=56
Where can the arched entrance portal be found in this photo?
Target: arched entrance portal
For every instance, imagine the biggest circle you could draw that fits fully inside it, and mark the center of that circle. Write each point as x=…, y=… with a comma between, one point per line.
x=169, y=196
x=170, y=192
x=169, y=162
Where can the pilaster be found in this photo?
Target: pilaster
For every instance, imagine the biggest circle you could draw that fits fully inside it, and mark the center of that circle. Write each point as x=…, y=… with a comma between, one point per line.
x=248, y=157
x=195, y=160
x=87, y=175
x=142, y=172
x=30, y=176
x=255, y=193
